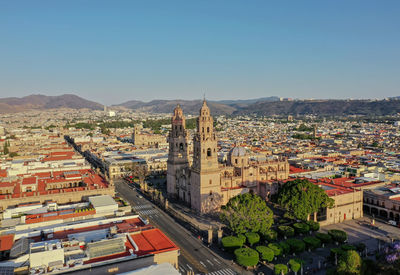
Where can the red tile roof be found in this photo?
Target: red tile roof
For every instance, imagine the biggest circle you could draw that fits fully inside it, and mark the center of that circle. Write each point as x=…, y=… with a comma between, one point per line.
x=6, y=242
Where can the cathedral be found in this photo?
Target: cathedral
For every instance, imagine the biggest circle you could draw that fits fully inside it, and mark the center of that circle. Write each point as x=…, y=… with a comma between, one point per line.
x=205, y=184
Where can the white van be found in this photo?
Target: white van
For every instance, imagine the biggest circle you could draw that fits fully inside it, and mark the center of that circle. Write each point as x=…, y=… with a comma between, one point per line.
x=392, y=222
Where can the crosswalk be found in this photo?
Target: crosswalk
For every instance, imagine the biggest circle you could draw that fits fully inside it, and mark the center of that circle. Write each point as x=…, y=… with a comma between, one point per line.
x=226, y=271
x=146, y=210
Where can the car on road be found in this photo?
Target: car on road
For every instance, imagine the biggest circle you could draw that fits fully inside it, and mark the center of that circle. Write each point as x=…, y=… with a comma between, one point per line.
x=392, y=222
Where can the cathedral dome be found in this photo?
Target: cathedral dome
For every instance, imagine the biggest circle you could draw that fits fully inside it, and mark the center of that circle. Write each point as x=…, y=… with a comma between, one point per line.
x=238, y=152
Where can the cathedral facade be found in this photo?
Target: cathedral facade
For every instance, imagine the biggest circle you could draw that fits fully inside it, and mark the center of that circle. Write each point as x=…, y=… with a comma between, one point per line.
x=206, y=185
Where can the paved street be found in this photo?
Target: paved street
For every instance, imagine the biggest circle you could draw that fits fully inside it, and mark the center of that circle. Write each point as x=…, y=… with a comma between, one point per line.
x=194, y=255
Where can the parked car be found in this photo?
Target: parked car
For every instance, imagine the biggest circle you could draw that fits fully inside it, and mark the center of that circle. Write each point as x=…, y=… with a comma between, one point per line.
x=392, y=222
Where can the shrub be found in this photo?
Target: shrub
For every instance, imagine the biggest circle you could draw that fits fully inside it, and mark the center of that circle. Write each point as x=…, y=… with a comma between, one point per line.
x=276, y=248
x=347, y=247
x=325, y=238
x=314, y=226
x=231, y=243
x=270, y=235
x=295, y=265
x=285, y=247
x=283, y=221
x=285, y=230
x=301, y=228
x=246, y=256
x=266, y=253
x=280, y=269
x=296, y=246
x=338, y=235
x=252, y=238
x=312, y=242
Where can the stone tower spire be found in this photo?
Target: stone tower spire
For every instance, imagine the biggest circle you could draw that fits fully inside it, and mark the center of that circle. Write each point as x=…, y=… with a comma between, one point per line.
x=205, y=177
x=178, y=164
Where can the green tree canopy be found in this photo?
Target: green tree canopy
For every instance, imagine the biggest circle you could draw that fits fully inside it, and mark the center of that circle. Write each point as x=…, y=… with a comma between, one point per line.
x=266, y=253
x=303, y=198
x=247, y=212
x=246, y=256
x=349, y=263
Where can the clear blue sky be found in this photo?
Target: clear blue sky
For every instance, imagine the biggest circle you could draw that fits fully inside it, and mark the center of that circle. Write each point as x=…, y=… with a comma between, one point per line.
x=113, y=51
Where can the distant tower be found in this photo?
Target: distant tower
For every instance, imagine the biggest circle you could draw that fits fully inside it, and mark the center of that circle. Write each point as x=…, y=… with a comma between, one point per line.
x=178, y=184
x=205, y=176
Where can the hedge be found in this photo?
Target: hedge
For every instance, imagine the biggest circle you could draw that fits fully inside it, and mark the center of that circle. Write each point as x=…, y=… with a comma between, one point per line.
x=246, y=256
x=338, y=235
x=252, y=238
x=266, y=253
x=312, y=242
x=314, y=226
x=325, y=238
x=301, y=228
x=270, y=235
x=346, y=247
x=285, y=230
x=231, y=243
x=280, y=269
x=276, y=248
x=296, y=246
x=285, y=247
x=295, y=265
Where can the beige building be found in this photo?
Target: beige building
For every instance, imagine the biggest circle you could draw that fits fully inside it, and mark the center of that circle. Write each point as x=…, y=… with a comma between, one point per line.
x=207, y=184
x=143, y=139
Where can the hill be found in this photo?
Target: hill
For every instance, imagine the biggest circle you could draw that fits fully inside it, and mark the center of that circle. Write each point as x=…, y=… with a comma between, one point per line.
x=323, y=107
x=42, y=102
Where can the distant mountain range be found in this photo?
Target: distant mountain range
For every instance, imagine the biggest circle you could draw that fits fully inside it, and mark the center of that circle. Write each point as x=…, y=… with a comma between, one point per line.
x=262, y=106
x=42, y=102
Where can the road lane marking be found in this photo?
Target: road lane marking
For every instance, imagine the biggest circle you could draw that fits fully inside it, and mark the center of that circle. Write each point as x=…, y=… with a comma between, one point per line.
x=182, y=269
x=210, y=262
x=189, y=267
x=203, y=264
x=218, y=262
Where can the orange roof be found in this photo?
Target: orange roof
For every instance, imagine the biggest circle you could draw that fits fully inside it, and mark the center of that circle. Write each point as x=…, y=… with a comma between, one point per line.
x=3, y=173
x=152, y=241
x=30, y=180
x=6, y=242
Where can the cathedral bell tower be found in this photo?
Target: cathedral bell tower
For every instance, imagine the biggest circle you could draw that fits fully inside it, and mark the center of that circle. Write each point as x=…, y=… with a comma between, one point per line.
x=178, y=185
x=205, y=177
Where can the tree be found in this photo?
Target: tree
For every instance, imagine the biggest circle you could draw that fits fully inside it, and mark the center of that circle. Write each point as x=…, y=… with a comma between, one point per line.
x=296, y=246
x=247, y=213
x=325, y=238
x=349, y=263
x=231, y=243
x=338, y=235
x=266, y=253
x=303, y=198
x=286, y=230
x=269, y=235
x=312, y=242
x=280, y=269
x=295, y=265
x=252, y=238
x=301, y=228
x=246, y=256
x=276, y=248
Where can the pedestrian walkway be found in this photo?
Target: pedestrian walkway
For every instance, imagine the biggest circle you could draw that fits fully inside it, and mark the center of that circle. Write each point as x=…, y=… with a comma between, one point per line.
x=226, y=271
x=146, y=210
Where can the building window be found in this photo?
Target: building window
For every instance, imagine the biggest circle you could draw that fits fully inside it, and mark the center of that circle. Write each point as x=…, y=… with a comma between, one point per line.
x=208, y=152
x=208, y=129
x=210, y=193
x=210, y=181
x=181, y=147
